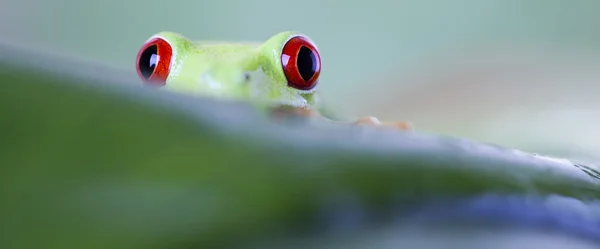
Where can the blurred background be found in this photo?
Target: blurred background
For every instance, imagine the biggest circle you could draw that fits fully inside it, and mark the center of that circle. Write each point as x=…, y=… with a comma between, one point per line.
x=519, y=73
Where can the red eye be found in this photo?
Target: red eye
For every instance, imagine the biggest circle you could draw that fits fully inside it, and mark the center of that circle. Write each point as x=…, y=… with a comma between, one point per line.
x=154, y=61
x=301, y=63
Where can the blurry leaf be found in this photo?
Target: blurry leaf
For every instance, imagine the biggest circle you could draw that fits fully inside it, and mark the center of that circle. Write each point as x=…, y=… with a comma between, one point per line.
x=89, y=163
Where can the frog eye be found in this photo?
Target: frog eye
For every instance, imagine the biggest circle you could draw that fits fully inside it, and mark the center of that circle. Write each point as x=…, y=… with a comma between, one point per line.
x=301, y=63
x=154, y=61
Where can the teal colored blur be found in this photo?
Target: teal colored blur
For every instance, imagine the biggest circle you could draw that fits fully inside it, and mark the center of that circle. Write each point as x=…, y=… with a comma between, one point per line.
x=532, y=63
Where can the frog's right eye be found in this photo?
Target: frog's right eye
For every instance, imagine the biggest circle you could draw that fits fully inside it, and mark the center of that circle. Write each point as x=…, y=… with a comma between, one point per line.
x=154, y=61
x=301, y=63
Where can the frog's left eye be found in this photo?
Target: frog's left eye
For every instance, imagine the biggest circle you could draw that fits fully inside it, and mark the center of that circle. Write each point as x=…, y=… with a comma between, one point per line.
x=301, y=63
x=154, y=61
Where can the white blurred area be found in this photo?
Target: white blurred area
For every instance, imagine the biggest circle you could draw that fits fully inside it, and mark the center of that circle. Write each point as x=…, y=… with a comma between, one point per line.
x=531, y=98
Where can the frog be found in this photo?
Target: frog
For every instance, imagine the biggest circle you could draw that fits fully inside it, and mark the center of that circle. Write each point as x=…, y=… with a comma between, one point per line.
x=279, y=76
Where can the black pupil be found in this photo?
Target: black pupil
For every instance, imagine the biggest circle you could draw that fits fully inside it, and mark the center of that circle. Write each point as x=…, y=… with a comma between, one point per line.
x=307, y=63
x=148, y=61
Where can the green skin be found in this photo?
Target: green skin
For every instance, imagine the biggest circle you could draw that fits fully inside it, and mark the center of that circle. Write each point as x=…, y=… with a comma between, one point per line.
x=238, y=71
x=235, y=71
